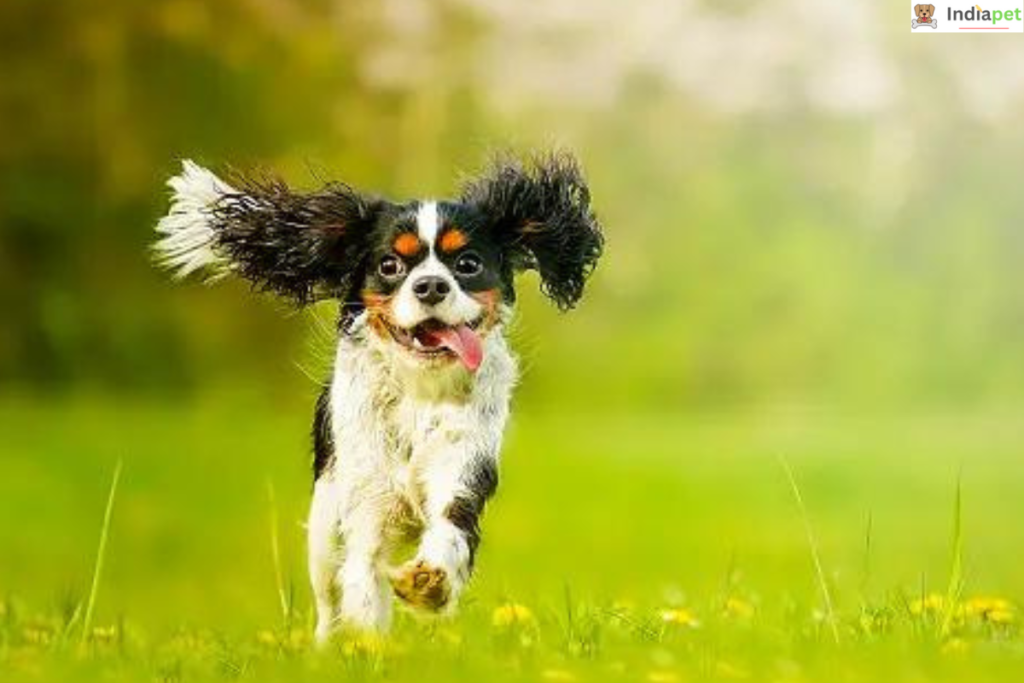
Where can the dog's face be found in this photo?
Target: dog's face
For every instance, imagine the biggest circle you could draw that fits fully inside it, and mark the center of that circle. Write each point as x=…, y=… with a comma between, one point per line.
x=430, y=279
x=924, y=12
x=434, y=286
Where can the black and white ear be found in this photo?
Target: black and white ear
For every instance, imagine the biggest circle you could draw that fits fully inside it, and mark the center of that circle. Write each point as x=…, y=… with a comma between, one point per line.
x=540, y=213
x=303, y=246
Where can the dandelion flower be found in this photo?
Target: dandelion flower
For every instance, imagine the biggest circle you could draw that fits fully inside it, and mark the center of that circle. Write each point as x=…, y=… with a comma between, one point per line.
x=1001, y=616
x=955, y=646
x=364, y=644
x=36, y=636
x=739, y=608
x=662, y=676
x=298, y=638
x=558, y=675
x=104, y=634
x=511, y=614
x=993, y=610
x=726, y=670
x=678, y=616
x=930, y=604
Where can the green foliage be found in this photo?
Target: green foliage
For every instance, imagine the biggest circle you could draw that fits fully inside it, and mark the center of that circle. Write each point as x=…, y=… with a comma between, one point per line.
x=800, y=256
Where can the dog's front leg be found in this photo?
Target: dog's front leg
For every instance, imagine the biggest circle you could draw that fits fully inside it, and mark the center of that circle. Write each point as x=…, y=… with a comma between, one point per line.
x=457, y=480
x=365, y=598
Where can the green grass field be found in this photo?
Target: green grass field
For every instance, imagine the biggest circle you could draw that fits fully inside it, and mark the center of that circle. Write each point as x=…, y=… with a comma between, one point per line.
x=653, y=548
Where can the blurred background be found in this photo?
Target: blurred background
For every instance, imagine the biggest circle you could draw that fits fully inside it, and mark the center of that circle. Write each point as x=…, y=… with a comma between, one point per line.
x=814, y=250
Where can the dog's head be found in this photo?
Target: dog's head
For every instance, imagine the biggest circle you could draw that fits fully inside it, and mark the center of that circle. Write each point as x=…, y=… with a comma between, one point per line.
x=924, y=12
x=430, y=279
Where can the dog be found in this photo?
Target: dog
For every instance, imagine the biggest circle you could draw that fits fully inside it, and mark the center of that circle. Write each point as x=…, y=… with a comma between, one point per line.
x=407, y=430
x=924, y=14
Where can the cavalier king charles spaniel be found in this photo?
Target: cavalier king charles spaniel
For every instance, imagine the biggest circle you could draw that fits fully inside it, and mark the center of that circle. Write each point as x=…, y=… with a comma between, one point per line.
x=408, y=427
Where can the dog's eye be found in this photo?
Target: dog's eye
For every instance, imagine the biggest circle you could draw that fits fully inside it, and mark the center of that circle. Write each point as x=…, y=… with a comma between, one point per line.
x=468, y=264
x=391, y=267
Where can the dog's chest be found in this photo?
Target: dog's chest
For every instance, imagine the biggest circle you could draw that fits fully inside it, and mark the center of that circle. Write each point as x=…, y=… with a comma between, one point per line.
x=393, y=430
x=390, y=427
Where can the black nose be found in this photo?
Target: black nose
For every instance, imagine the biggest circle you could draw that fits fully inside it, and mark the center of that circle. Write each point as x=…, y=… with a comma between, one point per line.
x=431, y=289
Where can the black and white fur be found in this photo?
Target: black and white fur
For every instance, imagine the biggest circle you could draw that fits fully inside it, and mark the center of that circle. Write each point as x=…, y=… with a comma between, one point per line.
x=408, y=428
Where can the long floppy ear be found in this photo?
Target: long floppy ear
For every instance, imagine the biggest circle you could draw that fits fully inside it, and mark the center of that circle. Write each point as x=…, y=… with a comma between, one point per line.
x=303, y=246
x=540, y=213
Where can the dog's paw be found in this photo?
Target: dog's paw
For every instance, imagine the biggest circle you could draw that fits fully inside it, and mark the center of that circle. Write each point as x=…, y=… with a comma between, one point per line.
x=421, y=585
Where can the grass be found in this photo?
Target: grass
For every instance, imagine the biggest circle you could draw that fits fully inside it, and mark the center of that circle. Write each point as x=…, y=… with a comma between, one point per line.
x=653, y=548
x=812, y=543
x=101, y=552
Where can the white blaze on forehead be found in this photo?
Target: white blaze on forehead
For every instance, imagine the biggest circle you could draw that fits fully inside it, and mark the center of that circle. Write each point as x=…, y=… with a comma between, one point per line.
x=458, y=307
x=428, y=222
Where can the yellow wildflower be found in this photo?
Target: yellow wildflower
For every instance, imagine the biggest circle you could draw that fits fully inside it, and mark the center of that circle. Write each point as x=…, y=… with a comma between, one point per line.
x=364, y=644
x=739, y=608
x=511, y=614
x=679, y=616
x=266, y=637
x=558, y=675
x=298, y=638
x=36, y=636
x=994, y=610
x=727, y=670
x=662, y=676
x=1000, y=616
x=104, y=634
x=930, y=604
x=955, y=646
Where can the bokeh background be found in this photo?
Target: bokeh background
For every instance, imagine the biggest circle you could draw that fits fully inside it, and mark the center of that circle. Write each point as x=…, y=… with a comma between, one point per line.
x=815, y=239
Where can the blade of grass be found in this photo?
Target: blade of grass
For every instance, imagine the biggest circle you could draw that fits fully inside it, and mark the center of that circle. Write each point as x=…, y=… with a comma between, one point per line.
x=101, y=553
x=813, y=543
x=275, y=551
x=71, y=625
x=865, y=578
x=956, y=571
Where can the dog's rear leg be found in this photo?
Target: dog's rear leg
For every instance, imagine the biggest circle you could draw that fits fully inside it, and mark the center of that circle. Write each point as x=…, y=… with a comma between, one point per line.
x=365, y=597
x=324, y=558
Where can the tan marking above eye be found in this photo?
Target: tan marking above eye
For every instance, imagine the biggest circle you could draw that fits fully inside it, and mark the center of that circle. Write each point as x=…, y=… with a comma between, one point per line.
x=452, y=240
x=407, y=244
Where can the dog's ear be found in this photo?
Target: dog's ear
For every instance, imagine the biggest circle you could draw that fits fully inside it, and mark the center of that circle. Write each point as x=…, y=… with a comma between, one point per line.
x=302, y=246
x=931, y=9
x=539, y=213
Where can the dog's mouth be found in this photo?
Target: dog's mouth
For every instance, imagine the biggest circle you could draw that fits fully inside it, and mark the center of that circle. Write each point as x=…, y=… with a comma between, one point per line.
x=436, y=341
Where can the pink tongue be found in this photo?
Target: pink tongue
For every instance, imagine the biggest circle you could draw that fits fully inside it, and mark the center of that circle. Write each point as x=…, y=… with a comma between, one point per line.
x=463, y=341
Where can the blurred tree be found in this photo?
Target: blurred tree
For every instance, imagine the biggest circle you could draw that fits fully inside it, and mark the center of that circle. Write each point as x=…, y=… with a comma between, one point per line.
x=769, y=240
